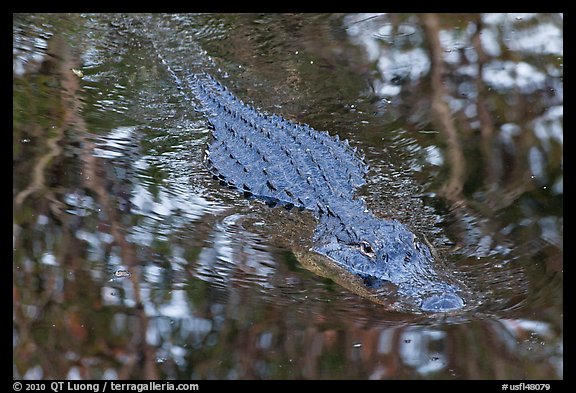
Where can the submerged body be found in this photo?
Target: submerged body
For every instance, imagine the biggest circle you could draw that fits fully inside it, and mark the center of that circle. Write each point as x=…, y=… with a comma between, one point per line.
x=281, y=162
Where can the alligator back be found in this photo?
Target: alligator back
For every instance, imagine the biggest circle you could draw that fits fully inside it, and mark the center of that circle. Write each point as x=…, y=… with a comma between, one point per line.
x=273, y=159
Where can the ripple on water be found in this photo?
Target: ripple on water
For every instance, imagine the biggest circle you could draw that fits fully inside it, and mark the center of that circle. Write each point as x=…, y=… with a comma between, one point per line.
x=233, y=256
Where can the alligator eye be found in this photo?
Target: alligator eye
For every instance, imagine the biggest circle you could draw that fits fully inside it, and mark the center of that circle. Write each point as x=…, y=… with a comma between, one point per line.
x=367, y=249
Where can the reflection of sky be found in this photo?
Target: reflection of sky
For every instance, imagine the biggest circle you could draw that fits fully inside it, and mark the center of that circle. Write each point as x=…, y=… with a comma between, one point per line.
x=231, y=250
x=402, y=60
x=538, y=38
x=527, y=337
x=164, y=204
x=115, y=144
x=166, y=207
x=395, y=64
x=399, y=65
x=27, y=52
x=424, y=349
x=417, y=349
x=411, y=62
x=507, y=75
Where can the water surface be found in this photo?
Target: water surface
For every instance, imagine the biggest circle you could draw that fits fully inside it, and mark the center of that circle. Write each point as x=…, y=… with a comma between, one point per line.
x=130, y=261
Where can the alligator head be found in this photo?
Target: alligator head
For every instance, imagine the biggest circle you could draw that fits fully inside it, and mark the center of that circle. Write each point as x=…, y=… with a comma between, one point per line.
x=386, y=254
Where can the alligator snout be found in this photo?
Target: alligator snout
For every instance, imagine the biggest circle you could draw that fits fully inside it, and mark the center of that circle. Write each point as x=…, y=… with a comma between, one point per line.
x=442, y=302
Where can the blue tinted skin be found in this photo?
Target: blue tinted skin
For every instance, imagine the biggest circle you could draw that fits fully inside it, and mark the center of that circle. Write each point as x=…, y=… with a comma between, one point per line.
x=385, y=253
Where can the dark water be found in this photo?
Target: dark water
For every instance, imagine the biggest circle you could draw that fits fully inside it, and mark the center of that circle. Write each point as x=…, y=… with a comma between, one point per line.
x=130, y=261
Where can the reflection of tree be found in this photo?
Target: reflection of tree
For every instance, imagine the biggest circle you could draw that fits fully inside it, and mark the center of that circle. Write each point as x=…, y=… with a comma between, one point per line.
x=319, y=346
x=453, y=188
x=441, y=96
x=72, y=308
x=505, y=174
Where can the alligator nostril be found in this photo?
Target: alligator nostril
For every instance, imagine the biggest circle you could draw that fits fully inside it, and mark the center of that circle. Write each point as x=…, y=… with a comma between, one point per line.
x=443, y=302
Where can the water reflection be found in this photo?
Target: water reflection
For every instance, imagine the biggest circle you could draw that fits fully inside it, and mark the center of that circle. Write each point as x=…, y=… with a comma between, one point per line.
x=130, y=262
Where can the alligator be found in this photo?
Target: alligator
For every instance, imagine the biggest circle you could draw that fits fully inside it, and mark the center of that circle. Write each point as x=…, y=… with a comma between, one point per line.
x=281, y=162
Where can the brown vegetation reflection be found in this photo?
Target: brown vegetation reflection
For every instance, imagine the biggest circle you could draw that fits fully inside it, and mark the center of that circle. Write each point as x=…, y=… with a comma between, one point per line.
x=230, y=301
x=452, y=190
x=72, y=324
